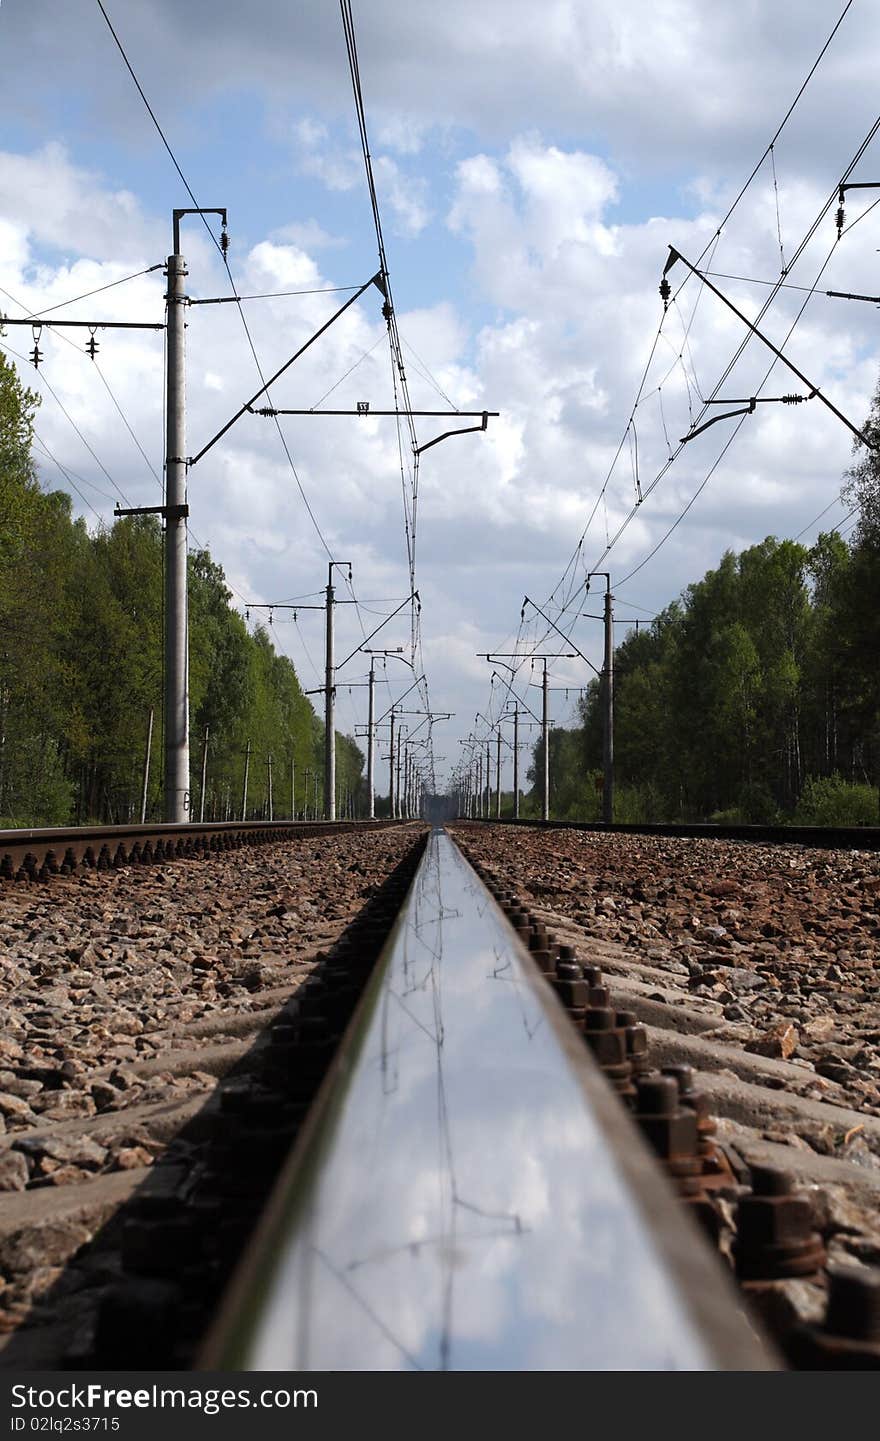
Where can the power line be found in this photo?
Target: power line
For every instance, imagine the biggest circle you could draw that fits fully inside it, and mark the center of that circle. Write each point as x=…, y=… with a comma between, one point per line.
x=577, y=555
x=273, y=294
x=219, y=248
x=86, y=294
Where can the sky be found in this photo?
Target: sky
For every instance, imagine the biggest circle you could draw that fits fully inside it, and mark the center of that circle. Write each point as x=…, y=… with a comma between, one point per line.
x=533, y=164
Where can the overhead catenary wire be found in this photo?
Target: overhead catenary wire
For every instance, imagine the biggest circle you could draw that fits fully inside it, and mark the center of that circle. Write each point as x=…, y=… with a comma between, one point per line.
x=235, y=296
x=567, y=582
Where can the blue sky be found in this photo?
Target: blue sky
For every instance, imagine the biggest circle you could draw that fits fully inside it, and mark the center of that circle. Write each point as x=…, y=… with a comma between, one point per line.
x=533, y=164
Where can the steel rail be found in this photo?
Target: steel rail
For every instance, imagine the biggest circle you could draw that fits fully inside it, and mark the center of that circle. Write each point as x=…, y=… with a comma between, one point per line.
x=467, y=1192
x=865, y=838
x=39, y=853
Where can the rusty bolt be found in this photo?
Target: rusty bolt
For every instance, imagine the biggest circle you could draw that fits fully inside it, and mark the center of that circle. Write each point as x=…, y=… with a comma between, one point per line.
x=541, y=953
x=775, y=1236
x=636, y=1042
x=849, y=1340
x=670, y=1130
x=607, y=1041
x=570, y=986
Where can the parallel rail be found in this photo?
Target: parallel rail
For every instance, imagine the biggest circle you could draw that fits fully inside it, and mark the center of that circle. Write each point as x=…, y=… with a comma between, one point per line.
x=467, y=1193
x=865, y=838
x=40, y=853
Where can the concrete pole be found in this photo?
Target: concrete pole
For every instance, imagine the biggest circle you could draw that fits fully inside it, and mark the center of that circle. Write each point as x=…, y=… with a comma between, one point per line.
x=315, y=779
x=292, y=787
x=204, y=774
x=329, y=712
x=479, y=795
x=247, y=766
x=147, y=768
x=371, y=745
x=488, y=798
x=269, y=769
x=545, y=725
x=608, y=737
x=498, y=777
x=392, y=804
x=398, y=793
x=516, y=765
x=176, y=796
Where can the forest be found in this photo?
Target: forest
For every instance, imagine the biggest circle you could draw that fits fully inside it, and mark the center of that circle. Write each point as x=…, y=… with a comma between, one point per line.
x=755, y=696
x=81, y=668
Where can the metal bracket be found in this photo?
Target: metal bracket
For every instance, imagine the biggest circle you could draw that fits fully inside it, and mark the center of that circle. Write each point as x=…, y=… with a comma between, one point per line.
x=168, y=512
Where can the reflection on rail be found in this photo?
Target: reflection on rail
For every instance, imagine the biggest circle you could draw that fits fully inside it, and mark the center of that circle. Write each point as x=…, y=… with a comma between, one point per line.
x=468, y=1194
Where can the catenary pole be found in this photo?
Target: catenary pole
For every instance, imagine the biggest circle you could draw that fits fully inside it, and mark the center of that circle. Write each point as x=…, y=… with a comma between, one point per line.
x=545, y=731
x=147, y=752
x=329, y=711
x=204, y=773
x=498, y=777
x=608, y=736
x=176, y=788
x=392, y=804
x=371, y=743
x=244, y=789
x=516, y=764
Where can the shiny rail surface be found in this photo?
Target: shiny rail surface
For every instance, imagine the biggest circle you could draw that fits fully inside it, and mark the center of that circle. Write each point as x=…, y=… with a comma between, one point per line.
x=467, y=1193
x=43, y=852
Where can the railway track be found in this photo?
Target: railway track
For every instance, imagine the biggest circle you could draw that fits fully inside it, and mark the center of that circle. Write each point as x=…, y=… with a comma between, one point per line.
x=136, y=1163
x=40, y=854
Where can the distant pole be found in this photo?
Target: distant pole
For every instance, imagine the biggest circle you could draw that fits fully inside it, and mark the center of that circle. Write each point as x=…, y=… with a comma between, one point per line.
x=316, y=794
x=608, y=737
x=292, y=787
x=479, y=795
x=498, y=778
x=204, y=773
x=329, y=712
x=488, y=780
x=269, y=769
x=371, y=744
x=392, y=806
x=247, y=766
x=176, y=797
x=545, y=729
x=147, y=767
x=516, y=764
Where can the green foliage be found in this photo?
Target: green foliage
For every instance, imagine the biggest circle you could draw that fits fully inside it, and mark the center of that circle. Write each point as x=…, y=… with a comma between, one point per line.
x=763, y=674
x=833, y=801
x=81, y=621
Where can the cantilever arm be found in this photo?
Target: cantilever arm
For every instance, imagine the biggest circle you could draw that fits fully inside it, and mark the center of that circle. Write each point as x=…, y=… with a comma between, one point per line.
x=465, y=430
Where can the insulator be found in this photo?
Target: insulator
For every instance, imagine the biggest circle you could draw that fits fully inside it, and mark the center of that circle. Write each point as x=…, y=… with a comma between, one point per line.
x=35, y=357
x=92, y=347
x=793, y=399
x=224, y=240
x=387, y=312
x=841, y=217
x=665, y=292
x=247, y=615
